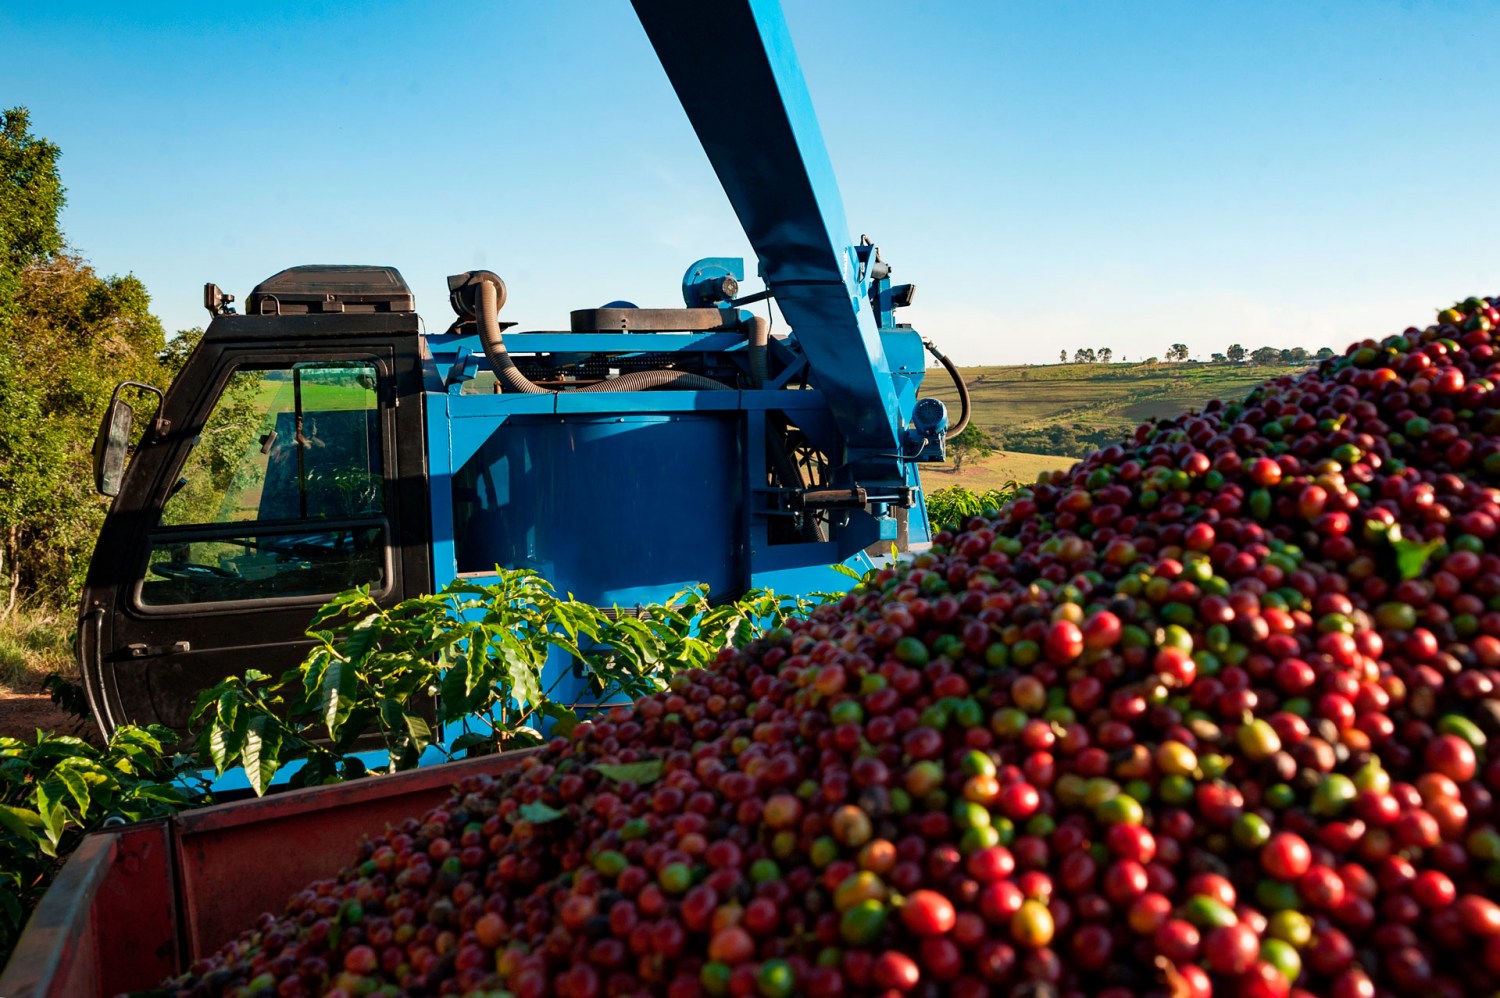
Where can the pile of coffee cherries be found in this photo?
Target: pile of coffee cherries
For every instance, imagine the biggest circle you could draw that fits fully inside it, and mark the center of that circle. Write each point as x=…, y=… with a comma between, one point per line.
x=1207, y=714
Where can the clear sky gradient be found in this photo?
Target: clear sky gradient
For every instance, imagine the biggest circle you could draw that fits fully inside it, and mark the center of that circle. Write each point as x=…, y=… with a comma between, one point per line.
x=1051, y=175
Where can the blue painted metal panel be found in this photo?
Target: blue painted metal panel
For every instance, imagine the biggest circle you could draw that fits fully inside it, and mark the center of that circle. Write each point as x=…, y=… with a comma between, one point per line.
x=440, y=485
x=615, y=509
x=618, y=510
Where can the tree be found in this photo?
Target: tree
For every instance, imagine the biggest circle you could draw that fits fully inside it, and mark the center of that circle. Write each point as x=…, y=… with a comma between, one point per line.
x=1105, y=353
x=1217, y=358
x=1062, y=356
x=1266, y=356
x=1297, y=355
x=31, y=195
x=1235, y=353
x=1084, y=355
x=67, y=335
x=1325, y=353
x=972, y=442
x=1177, y=351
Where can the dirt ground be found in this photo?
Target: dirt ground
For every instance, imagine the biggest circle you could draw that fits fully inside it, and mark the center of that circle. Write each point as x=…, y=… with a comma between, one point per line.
x=21, y=714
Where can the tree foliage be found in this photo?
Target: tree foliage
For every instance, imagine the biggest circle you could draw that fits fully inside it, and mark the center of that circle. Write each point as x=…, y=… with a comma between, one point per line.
x=67, y=335
x=972, y=442
x=31, y=194
x=1067, y=439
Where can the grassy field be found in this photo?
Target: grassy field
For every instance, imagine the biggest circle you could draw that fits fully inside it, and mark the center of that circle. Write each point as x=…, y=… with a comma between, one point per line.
x=1021, y=405
x=1046, y=416
x=993, y=471
x=34, y=642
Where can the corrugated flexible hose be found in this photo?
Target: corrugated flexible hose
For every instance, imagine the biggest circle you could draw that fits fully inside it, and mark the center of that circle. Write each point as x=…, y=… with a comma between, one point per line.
x=510, y=378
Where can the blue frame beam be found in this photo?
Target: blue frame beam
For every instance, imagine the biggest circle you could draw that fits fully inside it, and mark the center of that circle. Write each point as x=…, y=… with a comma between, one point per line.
x=737, y=76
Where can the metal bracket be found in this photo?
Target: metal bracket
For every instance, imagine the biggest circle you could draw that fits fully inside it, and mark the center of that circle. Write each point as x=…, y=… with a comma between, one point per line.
x=151, y=651
x=465, y=366
x=855, y=498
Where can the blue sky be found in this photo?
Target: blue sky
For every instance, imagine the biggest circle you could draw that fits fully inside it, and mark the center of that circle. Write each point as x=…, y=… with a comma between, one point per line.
x=1050, y=175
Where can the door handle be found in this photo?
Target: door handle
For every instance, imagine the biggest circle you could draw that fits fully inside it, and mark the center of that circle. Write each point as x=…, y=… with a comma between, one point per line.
x=151, y=651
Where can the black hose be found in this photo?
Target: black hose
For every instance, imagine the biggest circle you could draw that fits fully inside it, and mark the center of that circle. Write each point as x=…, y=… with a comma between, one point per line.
x=958, y=382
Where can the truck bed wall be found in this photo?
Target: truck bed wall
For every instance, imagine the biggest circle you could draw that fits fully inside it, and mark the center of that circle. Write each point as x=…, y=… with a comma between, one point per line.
x=142, y=902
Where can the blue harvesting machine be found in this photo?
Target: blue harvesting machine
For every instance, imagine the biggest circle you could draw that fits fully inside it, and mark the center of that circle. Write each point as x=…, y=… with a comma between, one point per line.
x=321, y=441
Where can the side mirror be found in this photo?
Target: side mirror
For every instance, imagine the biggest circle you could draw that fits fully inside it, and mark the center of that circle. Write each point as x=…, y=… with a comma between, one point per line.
x=110, y=446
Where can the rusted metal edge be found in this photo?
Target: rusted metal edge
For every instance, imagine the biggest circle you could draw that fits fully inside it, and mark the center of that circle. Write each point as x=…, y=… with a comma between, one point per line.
x=58, y=952
x=291, y=802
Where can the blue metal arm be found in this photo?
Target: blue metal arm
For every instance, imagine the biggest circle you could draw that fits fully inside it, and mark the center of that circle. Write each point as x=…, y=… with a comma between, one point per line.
x=737, y=76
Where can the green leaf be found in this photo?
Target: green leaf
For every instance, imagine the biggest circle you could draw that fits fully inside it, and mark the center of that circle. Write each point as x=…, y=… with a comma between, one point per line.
x=224, y=737
x=476, y=660
x=468, y=741
x=14, y=913
x=1412, y=556
x=337, y=696
x=843, y=569
x=390, y=715
x=456, y=702
x=136, y=736
x=49, y=808
x=524, y=685
x=539, y=814
x=77, y=788
x=21, y=822
x=356, y=726
x=342, y=604
x=314, y=668
x=61, y=745
x=419, y=731
x=645, y=772
x=564, y=719
x=315, y=773
x=160, y=792
x=221, y=739
x=262, y=742
x=361, y=639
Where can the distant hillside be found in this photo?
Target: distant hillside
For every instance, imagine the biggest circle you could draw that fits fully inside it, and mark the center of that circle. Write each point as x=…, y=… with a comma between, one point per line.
x=1071, y=409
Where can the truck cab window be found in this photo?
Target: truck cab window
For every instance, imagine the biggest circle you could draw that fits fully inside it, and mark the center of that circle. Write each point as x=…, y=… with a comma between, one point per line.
x=295, y=452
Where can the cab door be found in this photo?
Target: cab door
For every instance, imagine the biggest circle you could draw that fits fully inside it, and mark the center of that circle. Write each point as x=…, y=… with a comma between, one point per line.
x=278, y=487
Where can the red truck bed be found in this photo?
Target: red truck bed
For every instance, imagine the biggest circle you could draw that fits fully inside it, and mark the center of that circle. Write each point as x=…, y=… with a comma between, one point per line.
x=140, y=903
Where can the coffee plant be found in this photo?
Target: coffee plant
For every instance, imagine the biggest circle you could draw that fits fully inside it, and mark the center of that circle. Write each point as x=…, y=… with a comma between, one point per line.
x=470, y=656
x=948, y=507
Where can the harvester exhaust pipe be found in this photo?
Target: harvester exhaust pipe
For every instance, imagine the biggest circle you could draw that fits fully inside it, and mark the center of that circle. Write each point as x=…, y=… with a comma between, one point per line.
x=756, y=349
x=488, y=292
